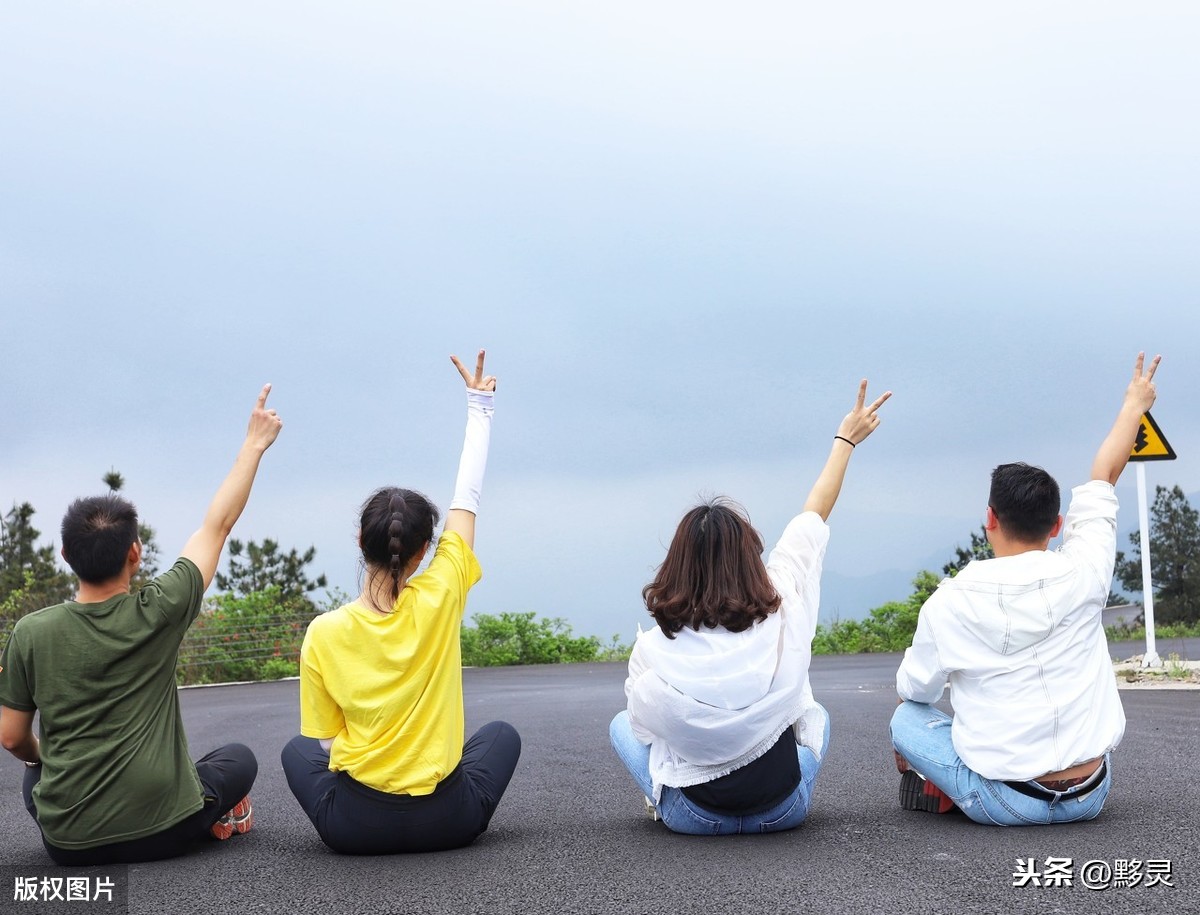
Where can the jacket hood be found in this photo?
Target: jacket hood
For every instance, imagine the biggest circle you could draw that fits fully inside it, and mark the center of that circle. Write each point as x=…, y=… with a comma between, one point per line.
x=727, y=670
x=1029, y=595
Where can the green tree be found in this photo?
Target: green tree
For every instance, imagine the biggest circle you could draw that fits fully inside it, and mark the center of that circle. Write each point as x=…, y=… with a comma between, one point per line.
x=1174, y=558
x=255, y=567
x=979, y=548
x=151, y=555
x=30, y=577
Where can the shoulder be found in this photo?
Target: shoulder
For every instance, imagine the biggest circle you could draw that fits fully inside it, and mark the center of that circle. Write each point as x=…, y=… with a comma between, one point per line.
x=183, y=578
x=454, y=558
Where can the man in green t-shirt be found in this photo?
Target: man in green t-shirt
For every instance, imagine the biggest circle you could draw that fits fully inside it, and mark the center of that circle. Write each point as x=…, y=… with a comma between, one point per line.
x=110, y=780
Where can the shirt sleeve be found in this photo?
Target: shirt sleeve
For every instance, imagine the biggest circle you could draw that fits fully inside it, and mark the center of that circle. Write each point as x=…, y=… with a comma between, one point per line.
x=795, y=564
x=637, y=668
x=452, y=572
x=178, y=593
x=16, y=680
x=320, y=716
x=1090, y=533
x=921, y=676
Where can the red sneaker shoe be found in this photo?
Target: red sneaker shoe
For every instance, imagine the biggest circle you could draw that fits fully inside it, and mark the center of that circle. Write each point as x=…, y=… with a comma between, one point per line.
x=917, y=793
x=237, y=821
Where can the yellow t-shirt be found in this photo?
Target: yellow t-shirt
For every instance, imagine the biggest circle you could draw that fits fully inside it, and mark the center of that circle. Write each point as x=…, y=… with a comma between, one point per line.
x=388, y=687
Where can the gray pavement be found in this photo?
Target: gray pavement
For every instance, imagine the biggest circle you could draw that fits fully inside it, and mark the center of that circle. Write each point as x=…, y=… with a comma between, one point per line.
x=571, y=835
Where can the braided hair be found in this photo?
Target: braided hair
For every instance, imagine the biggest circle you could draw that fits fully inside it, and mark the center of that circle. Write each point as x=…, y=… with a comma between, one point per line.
x=395, y=525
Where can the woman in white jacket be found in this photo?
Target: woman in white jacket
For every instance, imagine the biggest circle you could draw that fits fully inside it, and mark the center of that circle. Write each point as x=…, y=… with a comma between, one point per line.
x=722, y=733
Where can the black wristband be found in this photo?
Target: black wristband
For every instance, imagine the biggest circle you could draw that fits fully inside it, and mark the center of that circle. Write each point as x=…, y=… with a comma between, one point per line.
x=844, y=439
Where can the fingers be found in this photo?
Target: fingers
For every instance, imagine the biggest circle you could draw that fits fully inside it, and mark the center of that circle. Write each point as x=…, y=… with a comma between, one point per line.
x=479, y=368
x=262, y=396
x=462, y=369
x=1153, y=367
x=862, y=394
x=879, y=401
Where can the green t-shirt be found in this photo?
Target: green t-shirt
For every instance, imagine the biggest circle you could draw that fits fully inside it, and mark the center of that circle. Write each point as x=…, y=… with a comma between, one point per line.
x=115, y=762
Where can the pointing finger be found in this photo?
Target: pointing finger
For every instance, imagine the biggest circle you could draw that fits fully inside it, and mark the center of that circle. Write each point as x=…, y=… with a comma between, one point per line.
x=1137, y=366
x=462, y=369
x=862, y=394
x=479, y=367
x=262, y=395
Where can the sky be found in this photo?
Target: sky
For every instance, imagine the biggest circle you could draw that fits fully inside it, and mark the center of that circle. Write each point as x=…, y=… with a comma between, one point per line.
x=683, y=232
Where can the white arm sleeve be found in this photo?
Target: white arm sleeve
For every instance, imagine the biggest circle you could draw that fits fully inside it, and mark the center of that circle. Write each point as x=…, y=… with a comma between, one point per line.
x=469, y=485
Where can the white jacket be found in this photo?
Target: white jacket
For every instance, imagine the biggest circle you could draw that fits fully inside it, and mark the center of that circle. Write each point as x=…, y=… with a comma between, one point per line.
x=711, y=701
x=1020, y=641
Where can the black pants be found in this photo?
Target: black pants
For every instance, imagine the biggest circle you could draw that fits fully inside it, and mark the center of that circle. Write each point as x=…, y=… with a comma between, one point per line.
x=356, y=820
x=226, y=775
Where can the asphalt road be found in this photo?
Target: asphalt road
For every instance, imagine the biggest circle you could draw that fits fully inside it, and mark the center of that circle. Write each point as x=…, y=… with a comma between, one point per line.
x=571, y=835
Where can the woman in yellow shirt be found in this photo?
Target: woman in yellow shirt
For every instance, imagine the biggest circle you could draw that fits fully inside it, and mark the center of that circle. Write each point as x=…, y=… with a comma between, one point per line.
x=380, y=765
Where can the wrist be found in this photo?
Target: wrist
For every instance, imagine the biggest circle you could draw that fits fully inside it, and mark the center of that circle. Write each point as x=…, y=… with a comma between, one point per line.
x=842, y=438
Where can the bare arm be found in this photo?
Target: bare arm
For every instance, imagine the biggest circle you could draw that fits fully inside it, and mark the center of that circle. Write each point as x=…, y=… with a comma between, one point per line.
x=1114, y=451
x=858, y=424
x=204, y=547
x=463, y=507
x=16, y=734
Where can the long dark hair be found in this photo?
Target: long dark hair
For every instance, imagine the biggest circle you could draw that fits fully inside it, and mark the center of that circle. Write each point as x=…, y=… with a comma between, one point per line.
x=713, y=574
x=395, y=524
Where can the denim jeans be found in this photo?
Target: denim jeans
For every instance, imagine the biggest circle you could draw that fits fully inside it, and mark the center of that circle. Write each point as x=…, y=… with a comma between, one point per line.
x=921, y=734
x=681, y=815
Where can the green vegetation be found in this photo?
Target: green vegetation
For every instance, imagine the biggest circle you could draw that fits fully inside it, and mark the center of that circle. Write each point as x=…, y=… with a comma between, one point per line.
x=886, y=628
x=1137, y=633
x=524, y=638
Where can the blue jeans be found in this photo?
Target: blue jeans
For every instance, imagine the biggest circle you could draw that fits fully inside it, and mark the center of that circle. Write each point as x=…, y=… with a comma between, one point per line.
x=921, y=734
x=681, y=815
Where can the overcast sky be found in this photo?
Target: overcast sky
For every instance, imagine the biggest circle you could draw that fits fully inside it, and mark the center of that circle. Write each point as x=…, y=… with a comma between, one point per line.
x=683, y=231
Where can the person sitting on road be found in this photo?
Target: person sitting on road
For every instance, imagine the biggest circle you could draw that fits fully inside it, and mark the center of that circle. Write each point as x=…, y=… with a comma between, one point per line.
x=110, y=781
x=380, y=765
x=1019, y=640
x=722, y=734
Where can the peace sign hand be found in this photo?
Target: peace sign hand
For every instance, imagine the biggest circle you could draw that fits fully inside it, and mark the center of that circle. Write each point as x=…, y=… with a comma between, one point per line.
x=478, y=382
x=863, y=419
x=1141, y=391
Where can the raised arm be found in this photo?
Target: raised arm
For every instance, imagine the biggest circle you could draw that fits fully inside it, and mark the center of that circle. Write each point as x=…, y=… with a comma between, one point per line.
x=858, y=424
x=204, y=547
x=481, y=390
x=1114, y=451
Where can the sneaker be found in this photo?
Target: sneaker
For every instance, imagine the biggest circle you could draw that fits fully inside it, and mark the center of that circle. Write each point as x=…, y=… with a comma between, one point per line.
x=237, y=821
x=918, y=793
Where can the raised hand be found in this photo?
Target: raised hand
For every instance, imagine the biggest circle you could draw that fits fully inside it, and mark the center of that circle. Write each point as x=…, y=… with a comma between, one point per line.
x=264, y=424
x=1141, y=391
x=863, y=419
x=479, y=381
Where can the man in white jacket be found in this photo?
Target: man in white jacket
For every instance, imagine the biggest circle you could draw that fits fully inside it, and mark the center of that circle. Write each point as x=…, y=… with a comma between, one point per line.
x=1019, y=640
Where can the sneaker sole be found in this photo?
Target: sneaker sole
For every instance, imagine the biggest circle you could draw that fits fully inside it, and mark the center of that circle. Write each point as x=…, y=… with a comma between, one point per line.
x=913, y=796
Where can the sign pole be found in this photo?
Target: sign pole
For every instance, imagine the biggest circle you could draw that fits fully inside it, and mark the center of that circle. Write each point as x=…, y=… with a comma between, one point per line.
x=1150, y=658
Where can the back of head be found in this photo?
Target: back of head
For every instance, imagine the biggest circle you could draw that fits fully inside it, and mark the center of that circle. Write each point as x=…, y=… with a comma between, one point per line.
x=97, y=533
x=1026, y=501
x=713, y=574
x=395, y=524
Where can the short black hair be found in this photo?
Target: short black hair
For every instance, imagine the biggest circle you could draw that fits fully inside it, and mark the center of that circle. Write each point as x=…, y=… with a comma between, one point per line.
x=97, y=533
x=1026, y=501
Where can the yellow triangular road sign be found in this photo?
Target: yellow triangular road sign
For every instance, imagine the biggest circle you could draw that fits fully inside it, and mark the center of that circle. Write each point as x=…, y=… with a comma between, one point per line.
x=1151, y=444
